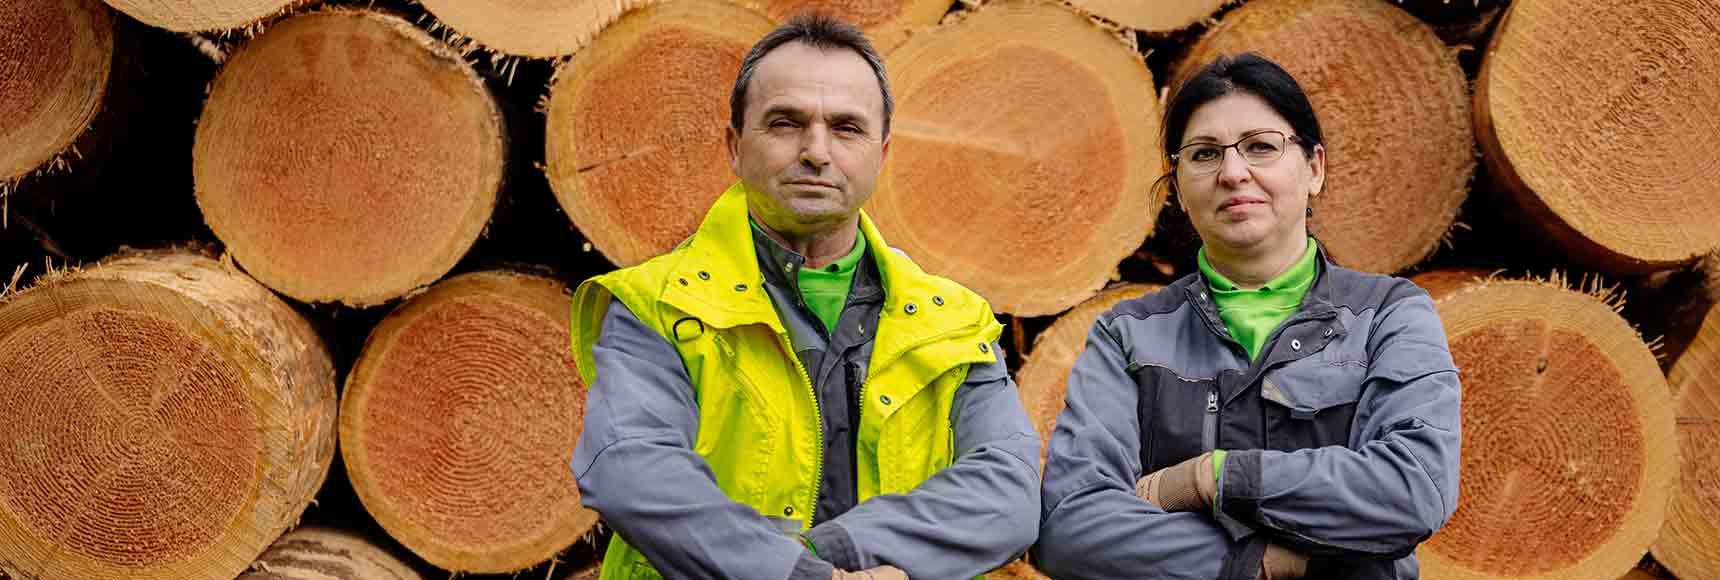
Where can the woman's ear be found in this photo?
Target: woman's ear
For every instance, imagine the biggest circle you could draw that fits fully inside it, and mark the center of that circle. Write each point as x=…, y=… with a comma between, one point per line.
x=1317, y=171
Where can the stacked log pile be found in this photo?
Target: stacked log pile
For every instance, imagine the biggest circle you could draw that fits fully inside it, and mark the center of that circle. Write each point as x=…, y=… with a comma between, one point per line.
x=359, y=220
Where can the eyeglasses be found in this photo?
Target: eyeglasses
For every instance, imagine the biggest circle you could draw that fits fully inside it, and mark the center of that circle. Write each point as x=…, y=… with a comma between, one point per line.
x=1258, y=148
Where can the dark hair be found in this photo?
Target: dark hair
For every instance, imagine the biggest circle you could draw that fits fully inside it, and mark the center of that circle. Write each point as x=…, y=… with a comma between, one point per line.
x=818, y=30
x=1248, y=73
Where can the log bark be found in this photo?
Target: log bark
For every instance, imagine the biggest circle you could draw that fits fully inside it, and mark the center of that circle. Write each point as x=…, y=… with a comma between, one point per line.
x=57, y=56
x=634, y=143
x=1024, y=149
x=1567, y=426
x=588, y=572
x=167, y=418
x=1394, y=112
x=458, y=421
x=1044, y=376
x=205, y=15
x=530, y=28
x=346, y=156
x=1148, y=16
x=1687, y=544
x=1606, y=170
x=320, y=553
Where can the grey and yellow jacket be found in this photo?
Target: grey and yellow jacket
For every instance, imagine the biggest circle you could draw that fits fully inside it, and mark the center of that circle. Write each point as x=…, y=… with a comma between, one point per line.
x=1342, y=437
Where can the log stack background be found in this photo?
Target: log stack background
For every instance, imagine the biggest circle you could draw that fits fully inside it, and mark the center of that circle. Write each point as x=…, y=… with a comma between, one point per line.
x=386, y=202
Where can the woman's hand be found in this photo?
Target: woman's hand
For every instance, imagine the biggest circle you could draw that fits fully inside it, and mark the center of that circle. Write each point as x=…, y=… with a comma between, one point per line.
x=1185, y=487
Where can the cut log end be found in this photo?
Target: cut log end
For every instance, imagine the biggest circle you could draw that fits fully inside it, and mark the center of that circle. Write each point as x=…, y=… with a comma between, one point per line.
x=1044, y=376
x=458, y=421
x=153, y=401
x=1393, y=106
x=1611, y=175
x=886, y=22
x=1152, y=16
x=1050, y=166
x=204, y=15
x=634, y=147
x=347, y=156
x=56, y=56
x=529, y=28
x=318, y=553
x=1686, y=545
x=1017, y=570
x=1567, y=425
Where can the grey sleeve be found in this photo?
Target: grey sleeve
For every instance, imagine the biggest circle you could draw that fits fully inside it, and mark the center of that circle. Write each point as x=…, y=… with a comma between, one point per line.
x=1094, y=526
x=971, y=517
x=1395, y=484
x=635, y=465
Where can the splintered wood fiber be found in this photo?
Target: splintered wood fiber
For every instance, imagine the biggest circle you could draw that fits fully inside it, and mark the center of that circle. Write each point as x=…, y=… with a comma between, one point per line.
x=1569, y=455
x=1597, y=117
x=590, y=572
x=1152, y=16
x=1044, y=375
x=203, y=15
x=345, y=155
x=459, y=419
x=1023, y=132
x=886, y=22
x=166, y=418
x=1394, y=110
x=55, y=57
x=319, y=553
x=1687, y=545
x=634, y=145
x=1017, y=570
x=531, y=28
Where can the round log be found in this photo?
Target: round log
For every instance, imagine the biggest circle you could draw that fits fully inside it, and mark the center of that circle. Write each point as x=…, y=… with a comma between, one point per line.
x=1687, y=544
x=55, y=59
x=1611, y=172
x=634, y=144
x=1567, y=426
x=1017, y=570
x=886, y=22
x=166, y=418
x=1393, y=106
x=204, y=15
x=458, y=421
x=347, y=156
x=589, y=571
x=1023, y=133
x=1044, y=374
x=530, y=28
x=1152, y=16
x=318, y=553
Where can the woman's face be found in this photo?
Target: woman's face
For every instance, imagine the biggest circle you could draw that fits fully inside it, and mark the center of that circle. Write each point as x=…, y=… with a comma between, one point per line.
x=1242, y=208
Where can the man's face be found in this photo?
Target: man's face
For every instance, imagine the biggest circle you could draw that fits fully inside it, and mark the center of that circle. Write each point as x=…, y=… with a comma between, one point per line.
x=812, y=141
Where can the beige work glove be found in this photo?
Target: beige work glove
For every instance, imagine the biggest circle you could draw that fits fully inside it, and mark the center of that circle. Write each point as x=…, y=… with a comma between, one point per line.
x=879, y=573
x=1281, y=563
x=1184, y=487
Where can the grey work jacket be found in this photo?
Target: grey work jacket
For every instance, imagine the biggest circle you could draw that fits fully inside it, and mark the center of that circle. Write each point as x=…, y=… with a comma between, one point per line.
x=1342, y=437
x=973, y=516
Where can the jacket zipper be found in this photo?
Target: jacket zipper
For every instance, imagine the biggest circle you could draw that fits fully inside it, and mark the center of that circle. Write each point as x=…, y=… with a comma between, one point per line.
x=1209, y=427
x=818, y=418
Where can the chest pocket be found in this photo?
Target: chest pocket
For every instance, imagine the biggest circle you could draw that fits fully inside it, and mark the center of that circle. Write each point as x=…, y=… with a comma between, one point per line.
x=1311, y=402
x=1176, y=422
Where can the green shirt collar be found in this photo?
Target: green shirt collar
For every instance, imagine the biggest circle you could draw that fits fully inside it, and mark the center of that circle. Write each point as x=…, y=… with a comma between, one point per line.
x=1300, y=274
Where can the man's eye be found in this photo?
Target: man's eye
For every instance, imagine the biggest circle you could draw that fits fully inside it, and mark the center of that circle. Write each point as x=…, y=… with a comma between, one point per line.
x=783, y=124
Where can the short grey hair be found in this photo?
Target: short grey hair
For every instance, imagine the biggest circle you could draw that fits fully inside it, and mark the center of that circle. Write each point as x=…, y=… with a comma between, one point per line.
x=818, y=30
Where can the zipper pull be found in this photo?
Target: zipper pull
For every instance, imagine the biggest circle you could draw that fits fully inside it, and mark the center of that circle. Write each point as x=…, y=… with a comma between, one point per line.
x=1211, y=401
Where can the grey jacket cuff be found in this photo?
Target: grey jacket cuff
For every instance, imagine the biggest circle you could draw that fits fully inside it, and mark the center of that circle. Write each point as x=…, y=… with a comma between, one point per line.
x=1245, y=558
x=1239, y=493
x=835, y=546
x=809, y=567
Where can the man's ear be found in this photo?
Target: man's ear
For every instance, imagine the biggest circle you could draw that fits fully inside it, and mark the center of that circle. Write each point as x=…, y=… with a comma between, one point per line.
x=732, y=140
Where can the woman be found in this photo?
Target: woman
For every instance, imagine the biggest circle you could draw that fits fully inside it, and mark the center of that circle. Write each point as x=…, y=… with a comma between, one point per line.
x=1271, y=416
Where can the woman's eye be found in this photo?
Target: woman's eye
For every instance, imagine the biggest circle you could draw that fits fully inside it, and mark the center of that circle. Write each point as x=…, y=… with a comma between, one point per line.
x=1204, y=154
x=1259, y=147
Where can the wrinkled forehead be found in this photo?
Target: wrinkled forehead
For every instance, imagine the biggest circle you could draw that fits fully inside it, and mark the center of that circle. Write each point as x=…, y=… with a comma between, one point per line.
x=798, y=74
x=1229, y=117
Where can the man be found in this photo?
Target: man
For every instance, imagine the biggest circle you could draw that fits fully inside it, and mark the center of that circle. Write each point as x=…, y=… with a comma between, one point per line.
x=783, y=395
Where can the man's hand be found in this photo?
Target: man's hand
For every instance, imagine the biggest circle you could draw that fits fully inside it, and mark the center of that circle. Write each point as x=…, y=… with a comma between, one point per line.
x=879, y=573
x=1281, y=563
x=1185, y=487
